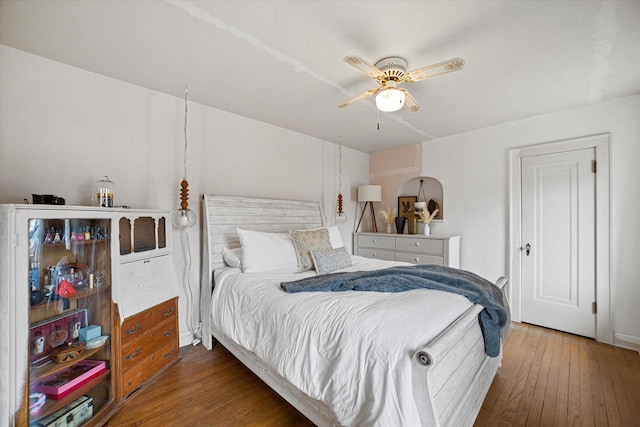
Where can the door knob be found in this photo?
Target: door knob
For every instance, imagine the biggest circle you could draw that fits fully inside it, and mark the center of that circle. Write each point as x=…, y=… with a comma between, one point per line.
x=527, y=249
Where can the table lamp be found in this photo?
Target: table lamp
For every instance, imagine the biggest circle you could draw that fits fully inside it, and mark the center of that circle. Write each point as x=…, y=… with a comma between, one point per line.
x=369, y=194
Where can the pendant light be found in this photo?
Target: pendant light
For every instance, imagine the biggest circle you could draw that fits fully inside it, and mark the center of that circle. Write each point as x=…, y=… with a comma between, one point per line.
x=184, y=217
x=341, y=217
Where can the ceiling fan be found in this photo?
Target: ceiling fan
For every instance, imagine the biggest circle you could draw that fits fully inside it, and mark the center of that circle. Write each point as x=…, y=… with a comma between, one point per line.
x=389, y=73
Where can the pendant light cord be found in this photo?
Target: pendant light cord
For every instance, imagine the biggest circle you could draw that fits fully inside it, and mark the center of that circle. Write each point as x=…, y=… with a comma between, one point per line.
x=340, y=166
x=186, y=94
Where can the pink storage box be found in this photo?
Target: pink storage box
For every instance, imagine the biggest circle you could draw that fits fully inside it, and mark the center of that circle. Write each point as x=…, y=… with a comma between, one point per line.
x=60, y=384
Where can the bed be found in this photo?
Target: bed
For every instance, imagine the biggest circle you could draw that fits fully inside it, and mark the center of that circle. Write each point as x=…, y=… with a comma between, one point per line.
x=411, y=358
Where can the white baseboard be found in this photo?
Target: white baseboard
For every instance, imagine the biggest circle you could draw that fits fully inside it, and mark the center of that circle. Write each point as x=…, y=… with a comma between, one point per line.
x=186, y=338
x=626, y=341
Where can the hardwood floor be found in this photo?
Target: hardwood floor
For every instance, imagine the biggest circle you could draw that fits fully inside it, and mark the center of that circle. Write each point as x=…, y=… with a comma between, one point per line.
x=547, y=378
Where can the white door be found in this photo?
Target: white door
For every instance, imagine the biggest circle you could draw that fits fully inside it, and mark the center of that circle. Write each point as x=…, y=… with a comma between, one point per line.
x=558, y=238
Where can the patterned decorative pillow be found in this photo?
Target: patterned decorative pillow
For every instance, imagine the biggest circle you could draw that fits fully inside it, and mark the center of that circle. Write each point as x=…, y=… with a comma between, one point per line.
x=305, y=241
x=330, y=260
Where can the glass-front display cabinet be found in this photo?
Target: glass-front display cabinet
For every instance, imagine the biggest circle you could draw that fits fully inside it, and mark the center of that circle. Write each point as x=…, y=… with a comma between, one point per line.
x=56, y=314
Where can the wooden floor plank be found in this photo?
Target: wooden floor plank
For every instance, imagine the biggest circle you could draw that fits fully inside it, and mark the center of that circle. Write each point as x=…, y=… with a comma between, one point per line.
x=212, y=388
x=585, y=408
x=534, y=376
x=597, y=391
x=500, y=386
x=607, y=372
x=561, y=413
x=534, y=413
x=620, y=374
x=547, y=417
x=631, y=375
x=519, y=387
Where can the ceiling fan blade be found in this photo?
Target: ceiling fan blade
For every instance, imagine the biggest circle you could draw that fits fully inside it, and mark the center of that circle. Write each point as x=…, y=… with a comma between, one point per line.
x=410, y=102
x=453, y=64
x=363, y=66
x=357, y=98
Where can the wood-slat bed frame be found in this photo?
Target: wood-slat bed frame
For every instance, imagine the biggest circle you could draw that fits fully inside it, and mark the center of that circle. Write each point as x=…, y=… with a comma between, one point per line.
x=451, y=374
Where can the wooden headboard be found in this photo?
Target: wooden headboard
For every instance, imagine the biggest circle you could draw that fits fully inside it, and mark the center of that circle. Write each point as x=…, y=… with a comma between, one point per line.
x=221, y=215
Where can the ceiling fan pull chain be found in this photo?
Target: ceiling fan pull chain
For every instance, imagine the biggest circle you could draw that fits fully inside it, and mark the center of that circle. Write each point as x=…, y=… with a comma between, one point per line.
x=378, y=123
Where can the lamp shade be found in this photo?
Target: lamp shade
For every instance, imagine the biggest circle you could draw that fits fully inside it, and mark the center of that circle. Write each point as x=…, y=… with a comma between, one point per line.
x=369, y=193
x=390, y=100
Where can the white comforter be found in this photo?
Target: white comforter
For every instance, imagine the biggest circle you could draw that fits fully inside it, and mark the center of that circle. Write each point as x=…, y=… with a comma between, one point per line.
x=350, y=350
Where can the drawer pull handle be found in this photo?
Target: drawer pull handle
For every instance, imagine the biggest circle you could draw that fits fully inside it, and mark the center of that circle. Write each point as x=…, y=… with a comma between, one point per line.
x=133, y=330
x=374, y=254
x=375, y=240
x=416, y=259
x=146, y=261
x=170, y=332
x=168, y=312
x=133, y=355
x=417, y=243
x=170, y=354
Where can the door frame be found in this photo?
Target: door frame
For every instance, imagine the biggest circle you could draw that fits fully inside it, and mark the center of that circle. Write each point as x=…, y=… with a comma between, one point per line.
x=601, y=144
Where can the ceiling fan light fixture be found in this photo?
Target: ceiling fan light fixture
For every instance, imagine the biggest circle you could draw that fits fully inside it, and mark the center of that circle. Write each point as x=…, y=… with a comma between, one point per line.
x=390, y=100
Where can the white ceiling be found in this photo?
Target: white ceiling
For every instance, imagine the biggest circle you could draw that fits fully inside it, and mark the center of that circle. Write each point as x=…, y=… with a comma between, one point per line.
x=280, y=62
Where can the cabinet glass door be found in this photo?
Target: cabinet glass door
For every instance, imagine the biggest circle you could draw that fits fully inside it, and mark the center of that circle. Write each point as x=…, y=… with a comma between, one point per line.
x=69, y=318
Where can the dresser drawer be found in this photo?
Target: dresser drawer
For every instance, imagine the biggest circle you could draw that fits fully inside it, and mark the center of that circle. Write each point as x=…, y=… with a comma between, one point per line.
x=377, y=254
x=137, y=325
x=153, y=338
x=421, y=245
x=419, y=258
x=149, y=366
x=381, y=242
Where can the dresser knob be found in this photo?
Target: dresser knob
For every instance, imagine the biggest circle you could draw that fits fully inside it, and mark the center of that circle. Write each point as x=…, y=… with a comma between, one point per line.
x=416, y=259
x=417, y=243
x=375, y=240
x=374, y=254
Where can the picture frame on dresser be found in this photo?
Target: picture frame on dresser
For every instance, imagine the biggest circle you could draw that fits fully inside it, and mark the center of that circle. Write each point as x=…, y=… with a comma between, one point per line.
x=406, y=201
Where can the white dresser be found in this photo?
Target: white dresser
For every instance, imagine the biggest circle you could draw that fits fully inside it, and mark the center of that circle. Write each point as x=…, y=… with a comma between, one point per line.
x=413, y=248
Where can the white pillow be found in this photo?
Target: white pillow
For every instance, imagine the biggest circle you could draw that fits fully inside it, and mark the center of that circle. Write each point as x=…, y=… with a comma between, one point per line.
x=233, y=257
x=335, y=237
x=267, y=252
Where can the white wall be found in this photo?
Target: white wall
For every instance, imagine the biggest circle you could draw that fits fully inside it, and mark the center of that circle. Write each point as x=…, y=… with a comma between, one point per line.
x=473, y=169
x=61, y=128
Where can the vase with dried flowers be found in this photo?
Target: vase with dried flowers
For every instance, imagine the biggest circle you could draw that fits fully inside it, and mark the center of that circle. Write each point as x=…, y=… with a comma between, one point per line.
x=412, y=221
x=389, y=216
x=426, y=218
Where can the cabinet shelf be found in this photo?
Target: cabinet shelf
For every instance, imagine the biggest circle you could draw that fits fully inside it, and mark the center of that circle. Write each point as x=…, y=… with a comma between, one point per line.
x=52, y=405
x=51, y=368
x=80, y=294
x=75, y=243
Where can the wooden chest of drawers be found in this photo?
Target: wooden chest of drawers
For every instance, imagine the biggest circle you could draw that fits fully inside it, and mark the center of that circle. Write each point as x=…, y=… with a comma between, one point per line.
x=413, y=248
x=148, y=344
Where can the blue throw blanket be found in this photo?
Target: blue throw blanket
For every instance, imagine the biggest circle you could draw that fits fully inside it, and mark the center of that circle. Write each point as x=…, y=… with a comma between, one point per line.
x=493, y=317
